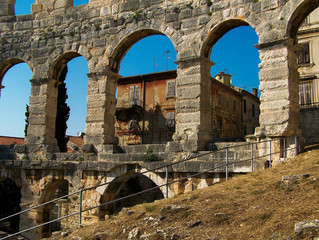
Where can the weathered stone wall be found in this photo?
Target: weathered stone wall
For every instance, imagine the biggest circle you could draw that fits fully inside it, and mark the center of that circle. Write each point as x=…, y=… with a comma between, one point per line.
x=102, y=32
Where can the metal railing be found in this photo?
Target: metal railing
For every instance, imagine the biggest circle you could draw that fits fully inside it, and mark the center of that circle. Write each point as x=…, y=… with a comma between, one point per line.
x=226, y=165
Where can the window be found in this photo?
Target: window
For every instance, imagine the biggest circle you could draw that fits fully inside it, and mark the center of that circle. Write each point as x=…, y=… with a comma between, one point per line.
x=219, y=99
x=134, y=95
x=170, y=89
x=253, y=110
x=227, y=102
x=234, y=106
x=245, y=130
x=245, y=106
x=170, y=119
x=304, y=54
x=305, y=93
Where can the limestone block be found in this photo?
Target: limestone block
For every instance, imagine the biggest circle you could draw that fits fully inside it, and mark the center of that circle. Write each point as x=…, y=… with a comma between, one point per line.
x=105, y=11
x=188, y=117
x=5, y=26
x=274, y=73
x=22, y=25
x=36, y=8
x=273, y=85
x=188, y=80
x=188, y=105
x=281, y=94
x=188, y=92
x=129, y=5
x=269, y=4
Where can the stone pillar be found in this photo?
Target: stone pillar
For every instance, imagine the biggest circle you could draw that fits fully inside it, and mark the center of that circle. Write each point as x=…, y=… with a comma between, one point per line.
x=42, y=116
x=101, y=104
x=279, y=109
x=193, y=103
x=7, y=7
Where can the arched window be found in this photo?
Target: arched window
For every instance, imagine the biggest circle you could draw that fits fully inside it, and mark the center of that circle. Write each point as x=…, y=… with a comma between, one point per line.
x=72, y=92
x=145, y=111
x=14, y=98
x=235, y=76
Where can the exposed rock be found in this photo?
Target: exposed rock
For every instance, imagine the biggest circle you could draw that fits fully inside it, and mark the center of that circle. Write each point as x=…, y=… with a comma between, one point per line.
x=288, y=181
x=307, y=229
x=77, y=238
x=173, y=209
x=134, y=233
x=145, y=236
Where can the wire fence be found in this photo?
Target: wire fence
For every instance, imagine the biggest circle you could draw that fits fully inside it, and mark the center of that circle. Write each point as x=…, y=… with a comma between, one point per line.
x=267, y=156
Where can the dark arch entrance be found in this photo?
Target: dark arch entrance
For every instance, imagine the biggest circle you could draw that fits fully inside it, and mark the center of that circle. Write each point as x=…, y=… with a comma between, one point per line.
x=10, y=196
x=56, y=189
x=130, y=185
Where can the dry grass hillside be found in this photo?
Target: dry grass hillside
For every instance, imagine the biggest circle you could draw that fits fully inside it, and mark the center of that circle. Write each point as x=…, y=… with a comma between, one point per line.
x=252, y=206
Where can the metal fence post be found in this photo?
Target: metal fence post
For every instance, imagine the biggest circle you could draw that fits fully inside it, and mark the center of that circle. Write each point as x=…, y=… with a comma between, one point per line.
x=252, y=157
x=226, y=163
x=285, y=150
x=80, y=209
x=166, y=169
x=269, y=153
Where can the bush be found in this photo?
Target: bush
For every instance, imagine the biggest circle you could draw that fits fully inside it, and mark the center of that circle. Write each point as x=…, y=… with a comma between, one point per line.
x=150, y=156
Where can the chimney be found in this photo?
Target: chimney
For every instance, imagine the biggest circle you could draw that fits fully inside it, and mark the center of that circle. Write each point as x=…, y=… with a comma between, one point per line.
x=223, y=78
x=255, y=92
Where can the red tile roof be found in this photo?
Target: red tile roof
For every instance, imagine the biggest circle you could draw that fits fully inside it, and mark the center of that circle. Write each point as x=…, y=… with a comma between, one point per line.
x=11, y=140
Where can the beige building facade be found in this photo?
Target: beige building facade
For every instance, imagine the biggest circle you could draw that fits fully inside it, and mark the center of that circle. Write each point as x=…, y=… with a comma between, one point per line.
x=308, y=67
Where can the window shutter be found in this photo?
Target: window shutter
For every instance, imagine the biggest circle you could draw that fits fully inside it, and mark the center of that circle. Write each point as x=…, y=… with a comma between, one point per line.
x=137, y=95
x=132, y=95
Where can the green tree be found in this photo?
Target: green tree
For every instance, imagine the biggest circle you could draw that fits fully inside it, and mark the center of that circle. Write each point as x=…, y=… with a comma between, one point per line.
x=63, y=113
x=26, y=119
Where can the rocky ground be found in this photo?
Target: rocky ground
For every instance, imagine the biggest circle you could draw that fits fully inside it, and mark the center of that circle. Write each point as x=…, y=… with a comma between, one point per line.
x=277, y=203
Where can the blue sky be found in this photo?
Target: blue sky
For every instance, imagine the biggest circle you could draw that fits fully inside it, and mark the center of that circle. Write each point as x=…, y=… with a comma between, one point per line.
x=234, y=52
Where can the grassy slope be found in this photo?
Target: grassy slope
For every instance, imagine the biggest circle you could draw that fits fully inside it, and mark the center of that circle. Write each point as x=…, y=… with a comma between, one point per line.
x=253, y=206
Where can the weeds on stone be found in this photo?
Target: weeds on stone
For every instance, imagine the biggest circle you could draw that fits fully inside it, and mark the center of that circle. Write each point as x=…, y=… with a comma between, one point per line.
x=150, y=156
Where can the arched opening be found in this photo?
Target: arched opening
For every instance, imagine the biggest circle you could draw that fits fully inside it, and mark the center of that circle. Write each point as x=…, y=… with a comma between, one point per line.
x=235, y=80
x=71, y=70
x=307, y=46
x=55, y=210
x=80, y=2
x=22, y=7
x=15, y=92
x=125, y=187
x=145, y=111
x=10, y=196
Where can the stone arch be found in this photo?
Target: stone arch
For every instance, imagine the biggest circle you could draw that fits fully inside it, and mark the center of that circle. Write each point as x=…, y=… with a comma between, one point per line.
x=132, y=35
x=58, y=73
x=60, y=62
x=217, y=32
x=55, y=188
x=296, y=13
x=126, y=181
x=10, y=198
x=9, y=63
